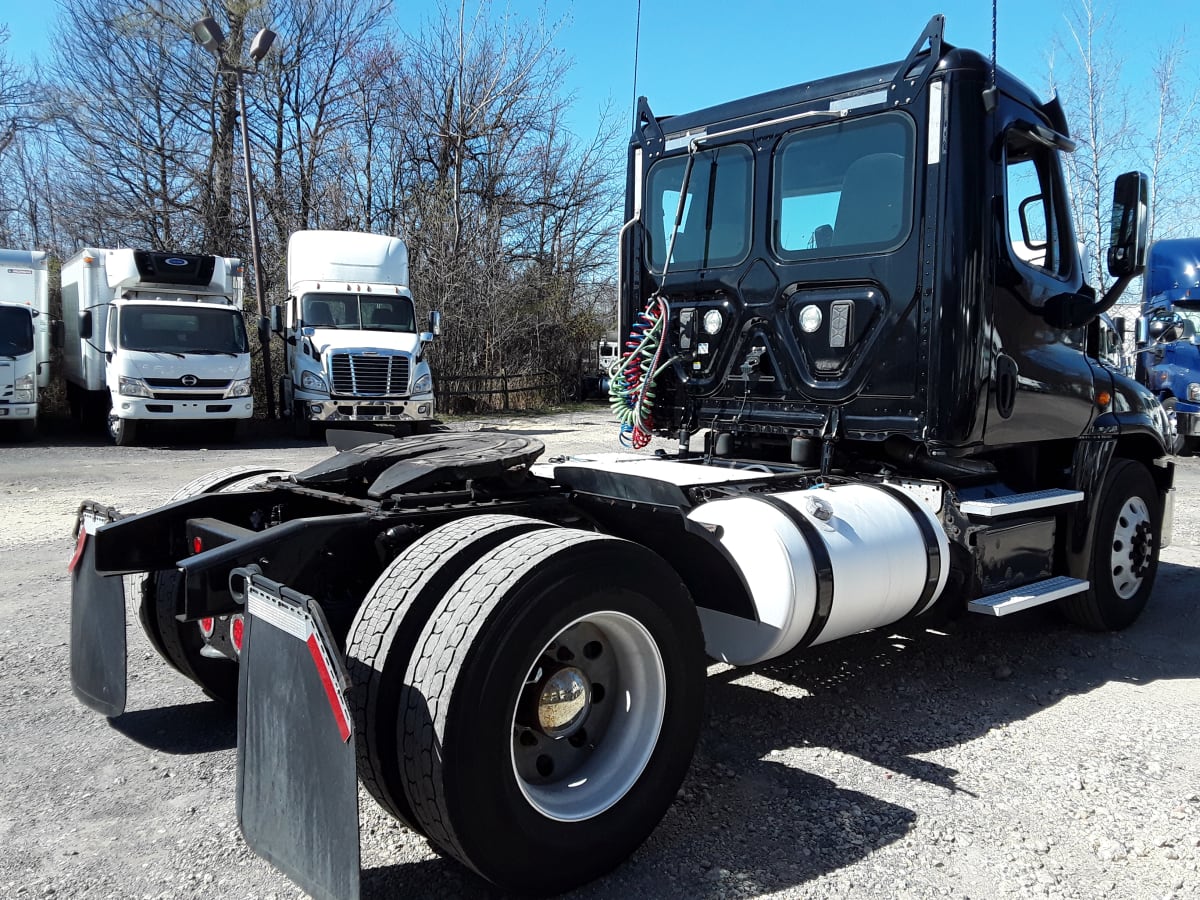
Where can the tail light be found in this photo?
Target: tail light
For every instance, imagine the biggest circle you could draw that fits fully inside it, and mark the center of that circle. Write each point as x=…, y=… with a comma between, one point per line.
x=237, y=629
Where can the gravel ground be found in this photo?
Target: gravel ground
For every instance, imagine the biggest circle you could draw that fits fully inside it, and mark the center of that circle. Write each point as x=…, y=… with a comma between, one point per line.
x=984, y=758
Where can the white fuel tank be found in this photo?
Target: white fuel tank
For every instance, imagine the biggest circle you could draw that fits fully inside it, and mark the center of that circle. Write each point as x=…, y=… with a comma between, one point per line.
x=822, y=564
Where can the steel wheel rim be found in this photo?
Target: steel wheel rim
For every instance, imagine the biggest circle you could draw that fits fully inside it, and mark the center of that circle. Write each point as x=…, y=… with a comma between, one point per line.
x=598, y=763
x=1132, y=547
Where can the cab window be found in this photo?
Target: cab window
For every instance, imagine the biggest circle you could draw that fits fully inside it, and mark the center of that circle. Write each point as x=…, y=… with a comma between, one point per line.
x=1038, y=225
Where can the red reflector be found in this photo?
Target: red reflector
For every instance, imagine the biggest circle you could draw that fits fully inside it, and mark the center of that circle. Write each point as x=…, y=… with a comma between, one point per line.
x=78, y=548
x=331, y=693
x=197, y=544
x=206, y=626
x=237, y=628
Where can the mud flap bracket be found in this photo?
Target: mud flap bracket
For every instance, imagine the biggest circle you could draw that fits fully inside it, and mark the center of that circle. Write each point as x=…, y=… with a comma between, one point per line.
x=297, y=782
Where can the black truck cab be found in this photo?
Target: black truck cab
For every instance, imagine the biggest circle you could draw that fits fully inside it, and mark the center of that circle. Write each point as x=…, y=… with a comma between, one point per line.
x=884, y=258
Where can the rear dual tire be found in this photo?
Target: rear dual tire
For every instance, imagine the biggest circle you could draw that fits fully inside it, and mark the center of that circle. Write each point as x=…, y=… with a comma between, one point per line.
x=549, y=707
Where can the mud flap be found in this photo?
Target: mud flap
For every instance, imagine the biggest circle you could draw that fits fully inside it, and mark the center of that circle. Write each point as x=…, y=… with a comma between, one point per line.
x=297, y=787
x=97, y=621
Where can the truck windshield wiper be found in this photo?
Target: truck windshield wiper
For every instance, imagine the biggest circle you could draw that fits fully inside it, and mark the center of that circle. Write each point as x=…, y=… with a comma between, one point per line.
x=214, y=353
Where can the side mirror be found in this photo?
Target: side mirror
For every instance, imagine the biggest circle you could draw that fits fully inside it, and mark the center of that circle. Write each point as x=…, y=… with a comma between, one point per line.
x=1127, y=240
x=425, y=337
x=85, y=324
x=264, y=330
x=277, y=319
x=435, y=323
x=1119, y=325
x=58, y=333
x=1141, y=330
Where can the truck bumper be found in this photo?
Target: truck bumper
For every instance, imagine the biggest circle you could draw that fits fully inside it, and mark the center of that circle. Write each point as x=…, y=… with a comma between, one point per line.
x=18, y=412
x=184, y=410
x=1187, y=421
x=358, y=410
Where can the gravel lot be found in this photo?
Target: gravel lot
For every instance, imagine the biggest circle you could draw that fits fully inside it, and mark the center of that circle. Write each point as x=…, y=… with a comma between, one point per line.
x=989, y=758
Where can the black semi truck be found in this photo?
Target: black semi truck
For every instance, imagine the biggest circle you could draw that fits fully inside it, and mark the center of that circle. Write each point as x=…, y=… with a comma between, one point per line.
x=857, y=307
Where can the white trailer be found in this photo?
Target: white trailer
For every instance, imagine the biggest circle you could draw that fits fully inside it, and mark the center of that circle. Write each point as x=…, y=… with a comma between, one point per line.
x=154, y=336
x=353, y=353
x=24, y=337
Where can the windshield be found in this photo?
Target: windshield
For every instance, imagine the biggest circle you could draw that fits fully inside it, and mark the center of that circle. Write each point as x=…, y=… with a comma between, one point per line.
x=185, y=330
x=16, y=331
x=363, y=311
x=715, y=230
x=844, y=188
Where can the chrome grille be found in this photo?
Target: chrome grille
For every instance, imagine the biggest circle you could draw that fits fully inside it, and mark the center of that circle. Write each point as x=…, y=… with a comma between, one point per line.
x=362, y=375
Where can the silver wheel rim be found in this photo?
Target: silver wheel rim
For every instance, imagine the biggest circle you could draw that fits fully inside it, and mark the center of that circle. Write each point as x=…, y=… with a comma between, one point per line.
x=602, y=754
x=1132, y=547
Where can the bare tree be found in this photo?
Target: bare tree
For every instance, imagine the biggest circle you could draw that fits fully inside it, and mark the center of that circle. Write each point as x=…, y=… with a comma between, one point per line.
x=1168, y=156
x=1090, y=87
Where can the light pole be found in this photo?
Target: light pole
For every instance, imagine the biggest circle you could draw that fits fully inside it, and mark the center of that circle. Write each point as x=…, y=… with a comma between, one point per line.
x=209, y=35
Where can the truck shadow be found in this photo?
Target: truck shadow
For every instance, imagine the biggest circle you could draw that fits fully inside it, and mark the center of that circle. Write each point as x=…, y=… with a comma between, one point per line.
x=189, y=728
x=750, y=820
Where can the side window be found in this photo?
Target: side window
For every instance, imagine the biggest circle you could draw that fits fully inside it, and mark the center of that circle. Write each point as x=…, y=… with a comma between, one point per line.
x=110, y=338
x=1038, y=230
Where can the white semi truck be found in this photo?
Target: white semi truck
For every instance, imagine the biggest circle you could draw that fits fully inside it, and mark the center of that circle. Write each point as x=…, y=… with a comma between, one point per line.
x=155, y=337
x=24, y=337
x=353, y=353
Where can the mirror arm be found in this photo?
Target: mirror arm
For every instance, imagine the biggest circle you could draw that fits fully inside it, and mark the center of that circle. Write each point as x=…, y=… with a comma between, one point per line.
x=1113, y=294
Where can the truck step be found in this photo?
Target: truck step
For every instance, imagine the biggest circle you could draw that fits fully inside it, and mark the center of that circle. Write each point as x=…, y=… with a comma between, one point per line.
x=1019, y=503
x=1028, y=595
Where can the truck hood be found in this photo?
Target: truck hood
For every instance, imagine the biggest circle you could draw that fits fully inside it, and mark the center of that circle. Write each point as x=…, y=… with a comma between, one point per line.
x=354, y=339
x=146, y=364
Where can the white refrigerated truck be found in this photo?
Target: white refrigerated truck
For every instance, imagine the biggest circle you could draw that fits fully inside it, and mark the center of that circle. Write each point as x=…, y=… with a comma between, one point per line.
x=24, y=337
x=155, y=337
x=353, y=353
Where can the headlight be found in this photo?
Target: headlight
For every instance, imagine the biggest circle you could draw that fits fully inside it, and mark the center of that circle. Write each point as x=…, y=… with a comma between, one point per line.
x=713, y=321
x=23, y=389
x=239, y=388
x=311, y=381
x=1194, y=393
x=423, y=384
x=133, y=387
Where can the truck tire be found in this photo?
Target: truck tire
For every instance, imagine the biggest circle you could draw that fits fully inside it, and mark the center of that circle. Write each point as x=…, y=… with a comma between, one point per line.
x=555, y=699
x=122, y=432
x=1124, y=552
x=385, y=630
x=178, y=642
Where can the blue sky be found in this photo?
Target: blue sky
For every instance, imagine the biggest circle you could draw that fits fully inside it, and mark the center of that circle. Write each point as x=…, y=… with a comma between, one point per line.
x=702, y=52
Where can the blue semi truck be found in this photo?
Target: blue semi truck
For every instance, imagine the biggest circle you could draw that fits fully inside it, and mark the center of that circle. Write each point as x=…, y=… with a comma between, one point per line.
x=1168, y=359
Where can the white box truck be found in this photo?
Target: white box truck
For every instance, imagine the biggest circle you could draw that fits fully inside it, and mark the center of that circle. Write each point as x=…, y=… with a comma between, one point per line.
x=155, y=337
x=24, y=337
x=352, y=351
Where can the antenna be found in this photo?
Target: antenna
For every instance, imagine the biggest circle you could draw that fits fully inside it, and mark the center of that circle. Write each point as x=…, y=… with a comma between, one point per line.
x=990, y=95
x=637, y=40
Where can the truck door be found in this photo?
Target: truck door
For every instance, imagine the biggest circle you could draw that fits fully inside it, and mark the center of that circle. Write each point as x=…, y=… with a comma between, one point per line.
x=1041, y=385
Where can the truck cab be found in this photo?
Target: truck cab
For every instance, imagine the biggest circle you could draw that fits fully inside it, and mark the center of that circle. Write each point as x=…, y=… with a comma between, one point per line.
x=1168, y=346
x=879, y=263
x=24, y=338
x=353, y=351
x=156, y=337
